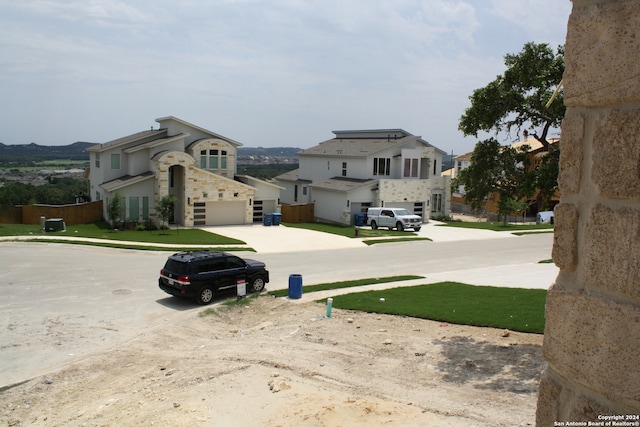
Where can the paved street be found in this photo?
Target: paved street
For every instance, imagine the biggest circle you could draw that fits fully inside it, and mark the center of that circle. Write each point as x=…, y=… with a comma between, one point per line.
x=63, y=302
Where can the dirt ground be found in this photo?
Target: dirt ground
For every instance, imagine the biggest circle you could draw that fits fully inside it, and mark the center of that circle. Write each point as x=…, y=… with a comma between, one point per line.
x=277, y=362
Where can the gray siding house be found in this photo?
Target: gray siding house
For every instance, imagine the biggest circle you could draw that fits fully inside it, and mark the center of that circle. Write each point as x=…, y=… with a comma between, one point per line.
x=357, y=169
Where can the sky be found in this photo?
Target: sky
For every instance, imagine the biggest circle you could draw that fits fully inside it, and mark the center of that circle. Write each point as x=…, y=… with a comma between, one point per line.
x=265, y=73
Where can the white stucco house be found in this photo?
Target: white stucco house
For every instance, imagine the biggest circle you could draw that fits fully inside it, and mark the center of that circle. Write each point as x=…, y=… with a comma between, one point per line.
x=358, y=169
x=198, y=167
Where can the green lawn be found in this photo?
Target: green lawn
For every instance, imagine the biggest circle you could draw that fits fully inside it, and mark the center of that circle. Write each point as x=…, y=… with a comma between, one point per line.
x=497, y=226
x=367, y=232
x=505, y=308
x=100, y=230
x=347, y=284
x=348, y=230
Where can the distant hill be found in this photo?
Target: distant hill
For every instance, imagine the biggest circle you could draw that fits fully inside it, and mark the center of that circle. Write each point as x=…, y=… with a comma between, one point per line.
x=36, y=153
x=27, y=153
x=269, y=151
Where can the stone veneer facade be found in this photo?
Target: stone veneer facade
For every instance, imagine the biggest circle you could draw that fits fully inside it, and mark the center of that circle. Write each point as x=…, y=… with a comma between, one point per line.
x=592, y=335
x=200, y=186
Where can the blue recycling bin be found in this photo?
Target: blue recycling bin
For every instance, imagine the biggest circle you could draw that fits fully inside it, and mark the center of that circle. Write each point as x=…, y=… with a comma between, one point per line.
x=295, y=286
x=276, y=218
x=268, y=220
x=359, y=219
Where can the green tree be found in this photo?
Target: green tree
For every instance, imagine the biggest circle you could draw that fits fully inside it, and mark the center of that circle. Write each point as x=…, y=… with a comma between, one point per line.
x=17, y=193
x=546, y=178
x=497, y=171
x=59, y=191
x=114, y=209
x=519, y=100
x=479, y=179
x=520, y=97
x=165, y=208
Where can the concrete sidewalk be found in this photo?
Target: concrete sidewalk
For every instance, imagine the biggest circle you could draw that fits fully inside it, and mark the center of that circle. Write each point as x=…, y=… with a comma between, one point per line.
x=527, y=276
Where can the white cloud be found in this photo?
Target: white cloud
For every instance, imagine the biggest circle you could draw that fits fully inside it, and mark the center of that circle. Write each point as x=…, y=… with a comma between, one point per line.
x=255, y=67
x=540, y=19
x=103, y=12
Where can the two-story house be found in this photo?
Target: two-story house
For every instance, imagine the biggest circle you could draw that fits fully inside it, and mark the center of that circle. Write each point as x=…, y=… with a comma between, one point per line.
x=358, y=169
x=196, y=166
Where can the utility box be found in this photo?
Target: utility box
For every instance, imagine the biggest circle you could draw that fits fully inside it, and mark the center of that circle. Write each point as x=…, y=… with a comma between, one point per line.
x=54, y=224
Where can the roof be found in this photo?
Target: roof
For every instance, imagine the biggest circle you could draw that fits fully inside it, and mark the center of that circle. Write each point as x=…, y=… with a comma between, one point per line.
x=144, y=135
x=363, y=143
x=372, y=133
x=155, y=143
x=246, y=178
x=343, y=184
x=533, y=143
x=172, y=118
x=125, y=181
x=293, y=175
x=464, y=157
x=355, y=147
x=449, y=172
x=153, y=138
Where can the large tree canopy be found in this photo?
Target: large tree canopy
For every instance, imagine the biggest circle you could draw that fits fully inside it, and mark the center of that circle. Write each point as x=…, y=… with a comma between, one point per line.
x=519, y=98
x=497, y=171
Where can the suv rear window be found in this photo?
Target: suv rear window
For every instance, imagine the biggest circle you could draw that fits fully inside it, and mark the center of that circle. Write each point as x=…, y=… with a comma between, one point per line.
x=176, y=267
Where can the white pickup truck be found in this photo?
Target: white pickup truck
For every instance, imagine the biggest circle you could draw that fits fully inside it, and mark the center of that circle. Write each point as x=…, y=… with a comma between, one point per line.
x=398, y=218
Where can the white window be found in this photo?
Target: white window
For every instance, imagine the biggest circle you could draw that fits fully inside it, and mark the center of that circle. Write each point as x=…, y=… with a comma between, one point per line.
x=217, y=159
x=213, y=159
x=115, y=161
x=223, y=159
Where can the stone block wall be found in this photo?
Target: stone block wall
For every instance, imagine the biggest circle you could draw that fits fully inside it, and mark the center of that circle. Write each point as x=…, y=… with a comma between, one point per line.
x=592, y=335
x=416, y=190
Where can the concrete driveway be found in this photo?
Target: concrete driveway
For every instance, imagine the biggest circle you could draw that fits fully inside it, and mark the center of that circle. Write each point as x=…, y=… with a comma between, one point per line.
x=274, y=239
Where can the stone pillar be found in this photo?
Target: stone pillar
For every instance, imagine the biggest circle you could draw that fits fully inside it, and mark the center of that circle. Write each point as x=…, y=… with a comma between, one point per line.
x=592, y=335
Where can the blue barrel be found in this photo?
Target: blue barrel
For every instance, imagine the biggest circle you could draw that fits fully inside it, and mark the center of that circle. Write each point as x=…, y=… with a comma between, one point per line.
x=295, y=286
x=359, y=219
x=276, y=218
x=268, y=219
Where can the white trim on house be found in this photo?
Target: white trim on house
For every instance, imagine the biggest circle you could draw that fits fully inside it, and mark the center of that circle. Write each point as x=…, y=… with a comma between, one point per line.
x=362, y=168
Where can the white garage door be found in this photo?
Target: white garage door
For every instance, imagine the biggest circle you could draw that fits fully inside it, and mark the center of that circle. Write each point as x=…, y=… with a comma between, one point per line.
x=225, y=213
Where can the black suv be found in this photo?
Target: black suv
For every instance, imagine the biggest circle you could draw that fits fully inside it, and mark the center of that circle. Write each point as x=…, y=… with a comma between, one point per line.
x=201, y=274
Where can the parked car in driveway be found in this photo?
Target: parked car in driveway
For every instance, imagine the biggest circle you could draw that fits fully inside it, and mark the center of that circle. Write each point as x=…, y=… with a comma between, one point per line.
x=202, y=274
x=397, y=218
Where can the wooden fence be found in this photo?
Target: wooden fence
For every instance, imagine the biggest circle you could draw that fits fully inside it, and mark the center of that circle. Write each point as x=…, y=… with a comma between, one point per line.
x=11, y=215
x=84, y=213
x=298, y=213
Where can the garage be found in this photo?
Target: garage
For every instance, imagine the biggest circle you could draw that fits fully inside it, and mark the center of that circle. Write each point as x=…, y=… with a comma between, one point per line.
x=225, y=213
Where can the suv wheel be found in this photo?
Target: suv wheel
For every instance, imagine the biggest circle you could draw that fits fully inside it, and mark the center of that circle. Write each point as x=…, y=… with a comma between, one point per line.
x=205, y=296
x=257, y=284
x=399, y=226
x=374, y=226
